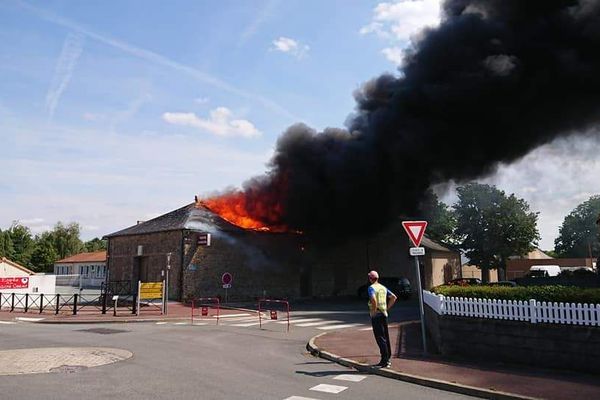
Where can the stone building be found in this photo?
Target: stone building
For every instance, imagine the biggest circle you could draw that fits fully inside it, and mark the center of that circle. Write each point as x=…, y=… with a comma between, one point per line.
x=279, y=265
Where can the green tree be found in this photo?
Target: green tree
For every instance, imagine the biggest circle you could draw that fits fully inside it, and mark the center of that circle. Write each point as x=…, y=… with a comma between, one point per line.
x=66, y=239
x=6, y=245
x=44, y=254
x=492, y=227
x=95, y=244
x=23, y=243
x=441, y=221
x=578, y=233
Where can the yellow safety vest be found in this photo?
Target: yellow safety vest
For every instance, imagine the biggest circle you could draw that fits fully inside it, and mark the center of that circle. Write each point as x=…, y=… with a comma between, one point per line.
x=380, y=298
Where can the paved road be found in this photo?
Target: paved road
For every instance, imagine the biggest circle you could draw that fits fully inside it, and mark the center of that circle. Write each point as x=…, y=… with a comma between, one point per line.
x=182, y=361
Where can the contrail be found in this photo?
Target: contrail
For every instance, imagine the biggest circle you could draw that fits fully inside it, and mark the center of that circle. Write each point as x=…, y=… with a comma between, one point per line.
x=159, y=59
x=72, y=48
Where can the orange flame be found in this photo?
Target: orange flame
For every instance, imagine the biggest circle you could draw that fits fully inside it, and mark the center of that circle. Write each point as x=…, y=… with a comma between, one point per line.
x=234, y=207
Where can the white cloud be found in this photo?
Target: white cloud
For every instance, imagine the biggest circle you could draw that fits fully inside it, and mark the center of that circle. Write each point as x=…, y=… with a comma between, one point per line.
x=394, y=54
x=290, y=46
x=90, y=116
x=398, y=22
x=201, y=100
x=71, y=50
x=220, y=123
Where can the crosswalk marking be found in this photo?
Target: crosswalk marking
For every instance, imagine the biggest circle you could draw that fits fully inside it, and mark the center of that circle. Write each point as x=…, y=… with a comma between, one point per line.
x=326, y=388
x=366, y=329
x=27, y=319
x=240, y=319
x=350, y=377
x=161, y=323
x=317, y=323
x=7, y=322
x=297, y=321
x=231, y=315
x=299, y=398
x=249, y=324
x=181, y=323
x=200, y=323
x=330, y=327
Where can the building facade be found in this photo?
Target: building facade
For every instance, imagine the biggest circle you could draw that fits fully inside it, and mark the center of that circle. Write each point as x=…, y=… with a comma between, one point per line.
x=90, y=269
x=263, y=264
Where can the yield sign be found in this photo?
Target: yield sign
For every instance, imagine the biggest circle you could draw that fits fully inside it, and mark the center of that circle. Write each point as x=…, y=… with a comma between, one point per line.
x=415, y=230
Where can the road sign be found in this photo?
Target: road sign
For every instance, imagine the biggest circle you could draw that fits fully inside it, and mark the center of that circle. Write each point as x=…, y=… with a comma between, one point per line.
x=417, y=251
x=204, y=239
x=227, y=286
x=415, y=230
x=204, y=311
x=151, y=290
x=273, y=314
x=227, y=278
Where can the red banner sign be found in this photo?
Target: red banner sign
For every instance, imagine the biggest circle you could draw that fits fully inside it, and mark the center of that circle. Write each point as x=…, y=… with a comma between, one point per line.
x=14, y=283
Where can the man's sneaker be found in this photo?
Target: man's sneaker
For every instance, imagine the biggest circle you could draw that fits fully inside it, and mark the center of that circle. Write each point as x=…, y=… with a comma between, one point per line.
x=388, y=365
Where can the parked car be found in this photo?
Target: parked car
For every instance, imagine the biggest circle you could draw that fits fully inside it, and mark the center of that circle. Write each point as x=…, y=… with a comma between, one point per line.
x=503, y=283
x=464, y=281
x=399, y=286
x=543, y=271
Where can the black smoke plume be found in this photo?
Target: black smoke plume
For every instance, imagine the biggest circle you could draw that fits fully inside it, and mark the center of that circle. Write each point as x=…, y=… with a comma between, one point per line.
x=496, y=79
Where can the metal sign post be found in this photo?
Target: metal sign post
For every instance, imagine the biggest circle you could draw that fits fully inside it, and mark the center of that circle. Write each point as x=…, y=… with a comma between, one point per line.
x=415, y=231
x=166, y=299
x=226, y=280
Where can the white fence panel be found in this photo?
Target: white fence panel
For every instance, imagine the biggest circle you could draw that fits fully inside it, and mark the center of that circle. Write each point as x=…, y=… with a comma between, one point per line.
x=532, y=310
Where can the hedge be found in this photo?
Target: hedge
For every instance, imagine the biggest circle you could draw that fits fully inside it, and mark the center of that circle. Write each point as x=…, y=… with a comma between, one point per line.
x=564, y=294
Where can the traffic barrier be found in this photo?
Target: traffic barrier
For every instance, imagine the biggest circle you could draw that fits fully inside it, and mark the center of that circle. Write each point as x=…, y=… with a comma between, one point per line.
x=273, y=313
x=204, y=303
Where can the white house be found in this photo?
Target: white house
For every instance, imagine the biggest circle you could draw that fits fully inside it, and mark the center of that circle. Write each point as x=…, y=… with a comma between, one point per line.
x=9, y=269
x=91, y=268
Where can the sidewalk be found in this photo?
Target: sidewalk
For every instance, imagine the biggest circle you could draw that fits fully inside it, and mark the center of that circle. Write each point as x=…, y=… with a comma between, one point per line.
x=176, y=311
x=358, y=349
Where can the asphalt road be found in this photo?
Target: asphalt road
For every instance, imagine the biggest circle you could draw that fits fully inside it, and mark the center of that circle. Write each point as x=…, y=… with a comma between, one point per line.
x=182, y=361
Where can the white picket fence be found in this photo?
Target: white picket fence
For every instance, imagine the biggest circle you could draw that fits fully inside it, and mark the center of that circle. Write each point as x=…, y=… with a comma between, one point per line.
x=532, y=311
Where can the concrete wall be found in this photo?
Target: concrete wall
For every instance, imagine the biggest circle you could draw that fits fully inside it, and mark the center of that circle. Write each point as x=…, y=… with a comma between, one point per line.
x=7, y=270
x=471, y=271
x=45, y=284
x=567, y=347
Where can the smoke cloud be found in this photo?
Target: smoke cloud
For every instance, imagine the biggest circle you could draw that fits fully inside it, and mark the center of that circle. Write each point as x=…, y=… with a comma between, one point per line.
x=495, y=80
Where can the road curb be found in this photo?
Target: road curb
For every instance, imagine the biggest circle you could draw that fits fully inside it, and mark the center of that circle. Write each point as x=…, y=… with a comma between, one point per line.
x=416, y=379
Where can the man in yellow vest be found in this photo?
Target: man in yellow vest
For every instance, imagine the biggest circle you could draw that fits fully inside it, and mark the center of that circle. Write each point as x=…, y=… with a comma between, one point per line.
x=381, y=299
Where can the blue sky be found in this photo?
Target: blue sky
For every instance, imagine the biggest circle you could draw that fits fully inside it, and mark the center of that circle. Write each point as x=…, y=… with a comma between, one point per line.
x=112, y=112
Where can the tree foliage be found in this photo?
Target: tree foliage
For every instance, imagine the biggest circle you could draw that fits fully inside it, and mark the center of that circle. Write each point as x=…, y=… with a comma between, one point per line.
x=44, y=255
x=23, y=243
x=579, y=232
x=41, y=252
x=440, y=218
x=95, y=245
x=492, y=226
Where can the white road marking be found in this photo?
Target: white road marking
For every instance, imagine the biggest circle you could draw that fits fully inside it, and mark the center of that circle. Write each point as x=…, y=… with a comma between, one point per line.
x=318, y=323
x=200, y=323
x=161, y=323
x=297, y=321
x=366, y=329
x=323, y=387
x=240, y=319
x=299, y=398
x=350, y=378
x=329, y=327
x=231, y=315
x=7, y=322
x=181, y=323
x=27, y=319
x=249, y=324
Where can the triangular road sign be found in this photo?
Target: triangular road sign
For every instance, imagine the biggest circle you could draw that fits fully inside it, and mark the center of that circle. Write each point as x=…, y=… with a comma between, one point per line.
x=415, y=230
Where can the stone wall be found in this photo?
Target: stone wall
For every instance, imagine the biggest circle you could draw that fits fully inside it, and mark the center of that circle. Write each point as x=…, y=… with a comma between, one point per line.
x=124, y=264
x=568, y=347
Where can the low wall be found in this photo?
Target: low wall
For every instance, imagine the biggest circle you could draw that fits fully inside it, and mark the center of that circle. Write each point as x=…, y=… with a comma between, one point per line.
x=543, y=345
x=37, y=284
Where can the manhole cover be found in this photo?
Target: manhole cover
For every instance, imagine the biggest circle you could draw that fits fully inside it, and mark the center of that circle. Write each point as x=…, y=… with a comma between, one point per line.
x=58, y=359
x=103, y=331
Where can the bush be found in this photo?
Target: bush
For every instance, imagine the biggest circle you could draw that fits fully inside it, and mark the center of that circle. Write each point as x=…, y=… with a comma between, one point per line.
x=559, y=294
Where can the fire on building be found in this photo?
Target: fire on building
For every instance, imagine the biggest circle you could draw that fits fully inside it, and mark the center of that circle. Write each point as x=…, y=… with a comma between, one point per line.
x=268, y=263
